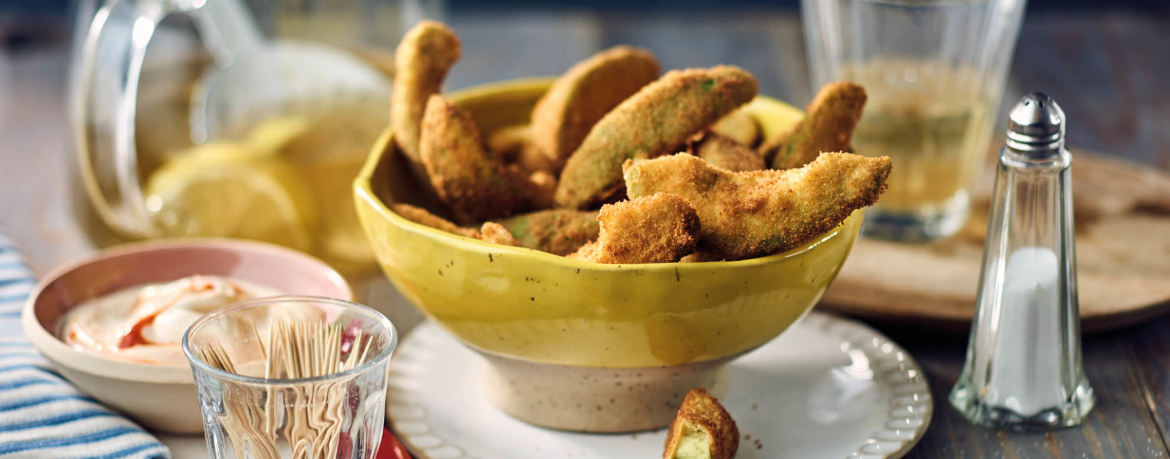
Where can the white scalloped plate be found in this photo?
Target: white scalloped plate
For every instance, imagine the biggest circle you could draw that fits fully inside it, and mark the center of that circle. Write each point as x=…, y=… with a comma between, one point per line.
x=827, y=388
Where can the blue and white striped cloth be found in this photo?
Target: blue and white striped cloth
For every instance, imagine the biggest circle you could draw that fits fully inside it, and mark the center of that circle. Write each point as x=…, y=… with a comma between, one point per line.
x=42, y=416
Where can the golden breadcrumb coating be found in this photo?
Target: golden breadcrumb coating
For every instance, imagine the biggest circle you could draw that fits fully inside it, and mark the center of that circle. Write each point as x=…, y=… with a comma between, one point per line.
x=495, y=233
x=507, y=142
x=584, y=94
x=720, y=151
x=758, y=213
x=739, y=126
x=544, y=186
x=657, y=120
x=476, y=185
x=556, y=231
x=425, y=218
x=489, y=232
x=661, y=228
x=514, y=145
x=422, y=60
x=702, y=417
x=827, y=125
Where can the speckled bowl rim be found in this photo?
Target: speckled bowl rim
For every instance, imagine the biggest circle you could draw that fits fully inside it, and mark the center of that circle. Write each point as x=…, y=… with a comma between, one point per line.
x=50, y=344
x=363, y=188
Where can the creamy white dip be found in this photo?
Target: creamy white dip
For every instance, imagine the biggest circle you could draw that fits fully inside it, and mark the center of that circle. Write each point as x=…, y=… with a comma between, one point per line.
x=146, y=323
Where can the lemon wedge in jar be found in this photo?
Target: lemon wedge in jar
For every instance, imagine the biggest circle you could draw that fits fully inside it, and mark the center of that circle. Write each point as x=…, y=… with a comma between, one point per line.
x=233, y=189
x=328, y=154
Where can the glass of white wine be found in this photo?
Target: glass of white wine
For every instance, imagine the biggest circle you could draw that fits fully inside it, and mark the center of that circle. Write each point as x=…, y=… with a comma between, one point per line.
x=934, y=71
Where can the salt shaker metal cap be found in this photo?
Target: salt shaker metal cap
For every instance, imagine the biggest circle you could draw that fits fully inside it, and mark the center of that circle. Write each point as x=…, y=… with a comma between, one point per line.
x=1023, y=370
x=1036, y=125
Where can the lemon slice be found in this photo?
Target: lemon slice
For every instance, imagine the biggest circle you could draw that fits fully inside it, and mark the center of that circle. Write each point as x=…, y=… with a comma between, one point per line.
x=216, y=191
x=338, y=234
x=328, y=153
x=270, y=136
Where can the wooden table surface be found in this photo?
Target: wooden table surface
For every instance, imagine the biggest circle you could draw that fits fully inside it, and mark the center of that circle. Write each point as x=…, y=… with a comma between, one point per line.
x=1107, y=69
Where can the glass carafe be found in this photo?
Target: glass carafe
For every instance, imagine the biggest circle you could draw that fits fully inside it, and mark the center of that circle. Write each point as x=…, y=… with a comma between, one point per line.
x=210, y=117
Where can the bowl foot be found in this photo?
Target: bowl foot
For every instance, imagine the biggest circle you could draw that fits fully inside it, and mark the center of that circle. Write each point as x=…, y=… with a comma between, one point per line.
x=594, y=399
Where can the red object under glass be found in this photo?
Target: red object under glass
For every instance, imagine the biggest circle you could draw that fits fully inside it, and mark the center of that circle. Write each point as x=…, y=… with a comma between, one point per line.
x=390, y=447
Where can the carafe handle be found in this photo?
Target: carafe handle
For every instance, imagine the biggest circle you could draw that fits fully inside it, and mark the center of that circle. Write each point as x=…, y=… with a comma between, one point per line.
x=103, y=101
x=103, y=98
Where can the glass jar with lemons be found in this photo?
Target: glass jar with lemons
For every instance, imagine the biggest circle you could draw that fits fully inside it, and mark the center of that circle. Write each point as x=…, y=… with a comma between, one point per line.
x=232, y=118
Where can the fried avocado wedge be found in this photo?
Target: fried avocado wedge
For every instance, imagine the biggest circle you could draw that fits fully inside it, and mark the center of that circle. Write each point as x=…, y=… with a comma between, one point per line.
x=661, y=228
x=827, y=126
x=759, y=213
x=578, y=99
x=425, y=218
x=702, y=429
x=556, y=231
x=496, y=234
x=475, y=184
x=656, y=120
x=720, y=151
x=489, y=232
x=422, y=60
x=514, y=145
x=740, y=126
x=507, y=142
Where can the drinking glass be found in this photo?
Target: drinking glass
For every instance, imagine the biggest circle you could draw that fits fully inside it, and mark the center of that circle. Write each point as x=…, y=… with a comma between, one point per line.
x=934, y=72
x=247, y=415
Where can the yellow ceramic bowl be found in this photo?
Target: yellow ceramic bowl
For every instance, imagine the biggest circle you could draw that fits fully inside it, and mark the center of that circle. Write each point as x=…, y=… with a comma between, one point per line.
x=629, y=340
x=545, y=308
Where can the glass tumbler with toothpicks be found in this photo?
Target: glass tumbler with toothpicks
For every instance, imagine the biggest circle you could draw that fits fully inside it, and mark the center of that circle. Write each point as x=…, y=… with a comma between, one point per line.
x=292, y=378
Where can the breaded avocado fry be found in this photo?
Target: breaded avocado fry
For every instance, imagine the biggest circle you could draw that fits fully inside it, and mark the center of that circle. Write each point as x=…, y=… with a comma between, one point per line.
x=702, y=429
x=495, y=233
x=774, y=143
x=473, y=183
x=584, y=94
x=489, y=232
x=759, y=213
x=544, y=186
x=425, y=218
x=655, y=121
x=720, y=151
x=556, y=231
x=422, y=60
x=827, y=126
x=740, y=126
x=507, y=142
x=661, y=228
x=514, y=145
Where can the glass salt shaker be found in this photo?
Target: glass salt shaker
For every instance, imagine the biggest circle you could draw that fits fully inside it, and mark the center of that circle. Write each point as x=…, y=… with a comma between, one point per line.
x=1023, y=369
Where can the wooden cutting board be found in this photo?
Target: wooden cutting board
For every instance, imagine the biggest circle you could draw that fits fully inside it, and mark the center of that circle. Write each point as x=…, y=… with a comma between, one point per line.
x=1122, y=218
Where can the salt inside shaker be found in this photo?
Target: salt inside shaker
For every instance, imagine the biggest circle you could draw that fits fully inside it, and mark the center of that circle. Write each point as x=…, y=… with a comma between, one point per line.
x=1023, y=370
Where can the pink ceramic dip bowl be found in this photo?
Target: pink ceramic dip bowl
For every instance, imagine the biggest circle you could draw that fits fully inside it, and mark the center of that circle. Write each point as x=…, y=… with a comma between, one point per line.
x=160, y=397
